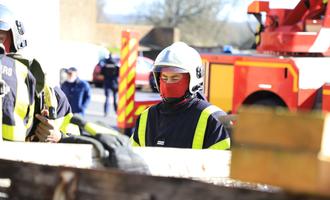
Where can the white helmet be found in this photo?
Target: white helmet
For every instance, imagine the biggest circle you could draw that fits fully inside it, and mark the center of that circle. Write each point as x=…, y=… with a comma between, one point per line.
x=8, y=22
x=181, y=58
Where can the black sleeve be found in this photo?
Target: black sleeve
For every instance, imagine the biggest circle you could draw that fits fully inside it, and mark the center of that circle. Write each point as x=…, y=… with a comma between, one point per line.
x=63, y=105
x=31, y=83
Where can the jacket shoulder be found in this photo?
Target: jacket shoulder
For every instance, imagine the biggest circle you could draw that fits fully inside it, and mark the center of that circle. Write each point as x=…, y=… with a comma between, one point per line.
x=202, y=105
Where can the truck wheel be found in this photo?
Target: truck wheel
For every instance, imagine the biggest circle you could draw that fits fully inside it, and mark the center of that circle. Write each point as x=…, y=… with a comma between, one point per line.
x=268, y=102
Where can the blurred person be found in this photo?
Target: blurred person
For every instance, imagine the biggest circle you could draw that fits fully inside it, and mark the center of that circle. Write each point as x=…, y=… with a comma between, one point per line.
x=77, y=91
x=25, y=116
x=110, y=71
x=184, y=119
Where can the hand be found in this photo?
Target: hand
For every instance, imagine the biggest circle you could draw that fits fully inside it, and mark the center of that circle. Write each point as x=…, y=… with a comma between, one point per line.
x=46, y=130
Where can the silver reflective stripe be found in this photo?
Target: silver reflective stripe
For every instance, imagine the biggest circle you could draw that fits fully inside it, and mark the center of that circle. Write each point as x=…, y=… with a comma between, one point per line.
x=201, y=126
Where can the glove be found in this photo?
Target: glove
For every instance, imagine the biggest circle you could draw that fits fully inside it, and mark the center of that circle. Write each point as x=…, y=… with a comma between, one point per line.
x=78, y=139
x=121, y=154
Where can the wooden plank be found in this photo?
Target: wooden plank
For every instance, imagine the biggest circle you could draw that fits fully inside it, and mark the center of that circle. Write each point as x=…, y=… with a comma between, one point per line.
x=282, y=148
x=208, y=165
x=295, y=171
x=32, y=181
x=74, y=155
x=279, y=128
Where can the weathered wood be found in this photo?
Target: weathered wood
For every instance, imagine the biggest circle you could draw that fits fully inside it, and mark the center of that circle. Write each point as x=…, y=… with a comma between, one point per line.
x=32, y=181
x=279, y=128
x=282, y=148
x=290, y=170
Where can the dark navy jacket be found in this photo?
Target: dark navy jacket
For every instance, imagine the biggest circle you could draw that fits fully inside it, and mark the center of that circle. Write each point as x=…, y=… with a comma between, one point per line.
x=78, y=94
x=170, y=126
x=21, y=103
x=110, y=71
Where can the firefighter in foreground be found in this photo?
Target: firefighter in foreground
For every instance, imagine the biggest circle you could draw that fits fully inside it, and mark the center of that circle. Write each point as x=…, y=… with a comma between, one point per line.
x=25, y=114
x=33, y=111
x=183, y=119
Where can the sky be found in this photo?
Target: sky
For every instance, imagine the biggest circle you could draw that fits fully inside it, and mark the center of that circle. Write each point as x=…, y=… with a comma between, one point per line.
x=123, y=7
x=126, y=7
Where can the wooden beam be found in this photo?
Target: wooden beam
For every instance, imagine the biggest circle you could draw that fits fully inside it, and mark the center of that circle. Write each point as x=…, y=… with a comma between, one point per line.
x=282, y=148
x=32, y=181
x=207, y=165
x=74, y=155
x=279, y=128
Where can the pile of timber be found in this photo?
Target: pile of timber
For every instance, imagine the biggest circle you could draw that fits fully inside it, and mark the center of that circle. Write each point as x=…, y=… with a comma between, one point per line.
x=34, y=181
x=276, y=155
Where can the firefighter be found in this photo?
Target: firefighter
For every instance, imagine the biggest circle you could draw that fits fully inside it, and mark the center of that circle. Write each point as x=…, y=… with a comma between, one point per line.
x=22, y=118
x=183, y=119
x=110, y=72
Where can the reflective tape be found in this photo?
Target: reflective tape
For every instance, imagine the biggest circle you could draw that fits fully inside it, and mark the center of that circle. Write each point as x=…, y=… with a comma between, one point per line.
x=127, y=72
x=133, y=143
x=18, y=132
x=143, y=127
x=201, y=126
x=222, y=145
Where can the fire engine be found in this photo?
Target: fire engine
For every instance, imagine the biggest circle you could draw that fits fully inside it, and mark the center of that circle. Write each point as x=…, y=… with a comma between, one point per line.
x=291, y=67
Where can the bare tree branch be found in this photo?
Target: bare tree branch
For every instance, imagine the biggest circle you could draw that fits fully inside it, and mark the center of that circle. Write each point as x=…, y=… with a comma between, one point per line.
x=198, y=21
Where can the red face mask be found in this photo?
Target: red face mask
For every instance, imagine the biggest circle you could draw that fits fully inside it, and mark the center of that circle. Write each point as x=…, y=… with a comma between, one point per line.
x=174, y=90
x=7, y=43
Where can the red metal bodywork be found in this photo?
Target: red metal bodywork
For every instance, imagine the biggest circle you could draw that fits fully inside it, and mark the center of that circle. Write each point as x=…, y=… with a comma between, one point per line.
x=286, y=36
x=285, y=30
x=326, y=97
x=251, y=74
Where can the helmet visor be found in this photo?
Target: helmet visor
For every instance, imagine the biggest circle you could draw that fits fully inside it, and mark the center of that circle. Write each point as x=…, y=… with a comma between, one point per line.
x=169, y=69
x=4, y=26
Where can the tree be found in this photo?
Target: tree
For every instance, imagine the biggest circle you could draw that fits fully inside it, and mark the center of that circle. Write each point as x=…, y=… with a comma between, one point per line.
x=173, y=13
x=198, y=21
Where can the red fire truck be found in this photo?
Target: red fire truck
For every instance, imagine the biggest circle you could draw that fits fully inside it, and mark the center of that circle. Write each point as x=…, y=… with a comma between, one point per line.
x=291, y=67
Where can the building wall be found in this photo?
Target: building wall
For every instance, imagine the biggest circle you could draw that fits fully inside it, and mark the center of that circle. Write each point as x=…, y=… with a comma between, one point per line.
x=78, y=22
x=110, y=34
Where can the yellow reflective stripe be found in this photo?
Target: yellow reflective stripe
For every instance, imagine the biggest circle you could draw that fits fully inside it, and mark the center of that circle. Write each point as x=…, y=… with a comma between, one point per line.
x=143, y=127
x=222, y=145
x=133, y=143
x=22, y=93
x=131, y=75
x=18, y=131
x=93, y=129
x=130, y=107
x=201, y=126
x=64, y=122
x=13, y=133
